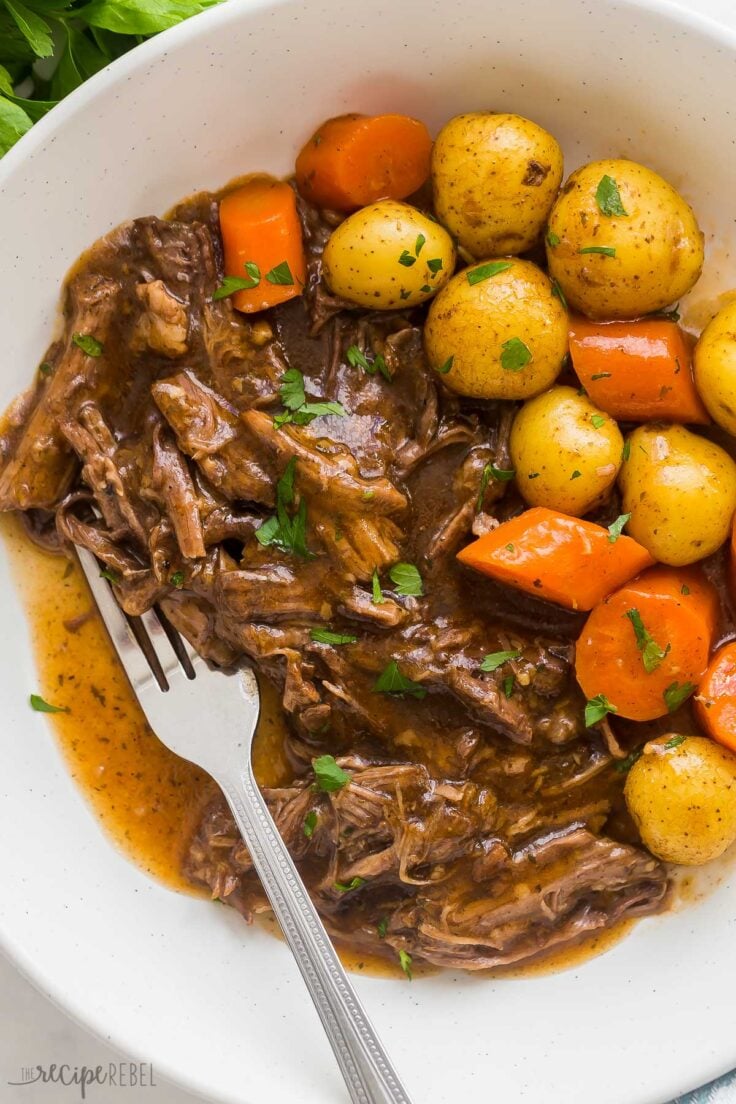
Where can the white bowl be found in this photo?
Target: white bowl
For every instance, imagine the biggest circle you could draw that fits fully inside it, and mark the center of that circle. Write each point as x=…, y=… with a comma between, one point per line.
x=213, y=1004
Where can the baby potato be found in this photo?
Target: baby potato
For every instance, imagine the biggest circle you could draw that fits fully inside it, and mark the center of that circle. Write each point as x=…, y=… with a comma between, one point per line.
x=621, y=241
x=682, y=798
x=680, y=490
x=497, y=331
x=565, y=451
x=495, y=177
x=388, y=255
x=714, y=366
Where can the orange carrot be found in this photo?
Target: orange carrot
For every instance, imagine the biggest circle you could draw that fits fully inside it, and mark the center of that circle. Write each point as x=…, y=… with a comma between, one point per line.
x=646, y=647
x=637, y=371
x=715, y=701
x=563, y=559
x=262, y=241
x=354, y=160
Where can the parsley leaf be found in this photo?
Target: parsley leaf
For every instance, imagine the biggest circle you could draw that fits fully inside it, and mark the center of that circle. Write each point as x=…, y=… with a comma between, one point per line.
x=391, y=681
x=597, y=708
x=291, y=391
x=280, y=274
x=494, y=660
x=608, y=197
x=329, y=777
x=651, y=653
x=382, y=927
x=684, y=589
x=445, y=368
x=675, y=694
x=559, y=293
x=418, y=244
x=407, y=580
x=231, y=284
x=42, y=706
x=111, y=577
x=88, y=343
x=601, y=375
x=354, y=883
x=490, y=471
x=508, y=685
x=289, y=533
x=326, y=636
x=405, y=963
x=624, y=765
x=626, y=451
x=310, y=823
x=616, y=528
x=406, y=259
x=434, y=265
x=598, y=420
x=357, y=359
x=553, y=239
x=675, y=741
x=377, y=597
x=484, y=271
x=515, y=354
x=177, y=579
x=576, y=474
x=298, y=410
x=604, y=250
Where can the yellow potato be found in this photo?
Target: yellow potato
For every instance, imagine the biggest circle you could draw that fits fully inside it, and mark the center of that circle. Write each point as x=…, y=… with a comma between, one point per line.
x=653, y=245
x=495, y=178
x=566, y=452
x=683, y=799
x=388, y=255
x=680, y=490
x=714, y=366
x=497, y=331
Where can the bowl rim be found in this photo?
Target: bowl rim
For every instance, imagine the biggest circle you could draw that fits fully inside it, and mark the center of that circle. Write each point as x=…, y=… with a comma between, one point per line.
x=117, y=72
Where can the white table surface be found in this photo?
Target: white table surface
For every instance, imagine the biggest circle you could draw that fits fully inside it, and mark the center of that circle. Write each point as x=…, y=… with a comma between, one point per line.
x=33, y=1031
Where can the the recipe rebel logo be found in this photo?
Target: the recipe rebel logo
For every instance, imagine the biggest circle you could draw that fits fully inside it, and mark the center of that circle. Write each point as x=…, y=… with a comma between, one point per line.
x=118, y=1075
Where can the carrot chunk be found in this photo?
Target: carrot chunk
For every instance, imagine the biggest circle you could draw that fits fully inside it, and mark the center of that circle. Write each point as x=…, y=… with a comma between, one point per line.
x=563, y=559
x=354, y=160
x=646, y=647
x=715, y=702
x=262, y=242
x=637, y=371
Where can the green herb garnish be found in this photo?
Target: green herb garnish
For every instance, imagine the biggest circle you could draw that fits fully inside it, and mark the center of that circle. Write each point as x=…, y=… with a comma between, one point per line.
x=45, y=368
x=651, y=653
x=604, y=250
x=418, y=244
x=624, y=765
x=608, y=197
x=382, y=927
x=684, y=589
x=675, y=741
x=675, y=695
x=484, y=272
x=298, y=410
x=597, y=708
x=310, y=823
x=616, y=528
x=354, y=883
x=111, y=577
x=434, y=265
x=559, y=293
x=284, y=531
x=445, y=368
x=42, y=706
x=177, y=579
x=553, y=239
x=601, y=375
x=326, y=636
x=405, y=963
x=377, y=597
x=391, y=681
x=329, y=777
x=280, y=274
x=494, y=660
x=407, y=580
x=598, y=420
x=231, y=284
x=576, y=474
x=88, y=344
x=626, y=451
x=508, y=685
x=515, y=355
x=407, y=260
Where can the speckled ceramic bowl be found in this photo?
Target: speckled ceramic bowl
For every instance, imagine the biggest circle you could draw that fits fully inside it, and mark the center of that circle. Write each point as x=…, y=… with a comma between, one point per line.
x=219, y=1007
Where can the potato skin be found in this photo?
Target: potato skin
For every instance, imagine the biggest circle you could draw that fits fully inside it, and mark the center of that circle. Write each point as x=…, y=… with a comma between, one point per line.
x=714, y=366
x=361, y=259
x=555, y=436
x=470, y=323
x=659, y=246
x=680, y=490
x=683, y=799
x=495, y=177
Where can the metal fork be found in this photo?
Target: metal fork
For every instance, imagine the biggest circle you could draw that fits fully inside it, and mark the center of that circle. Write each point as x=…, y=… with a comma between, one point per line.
x=209, y=717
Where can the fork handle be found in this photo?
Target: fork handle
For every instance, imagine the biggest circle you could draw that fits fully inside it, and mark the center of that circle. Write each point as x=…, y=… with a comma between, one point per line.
x=367, y=1069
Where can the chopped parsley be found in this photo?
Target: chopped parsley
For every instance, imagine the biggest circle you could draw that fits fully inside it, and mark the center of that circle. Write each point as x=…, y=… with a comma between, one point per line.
x=111, y=577
x=675, y=741
x=284, y=531
x=357, y=359
x=559, y=293
x=391, y=681
x=407, y=260
x=597, y=708
x=494, y=660
x=576, y=474
x=508, y=685
x=616, y=528
x=598, y=420
x=509, y=548
x=298, y=410
x=382, y=927
x=684, y=589
x=445, y=368
x=45, y=368
x=280, y=274
x=354, y=883
x=326, y=636
x=608, y=197
x=490, y=471
x=600, y=375
x=88, y=343
x=418, y=244
x=553, y=239
x=624, y=765
x=405, y=963
x=651, y=653
x=675, y=695
x=407, y=580
x=377, y=597
x=484, y=272
x=310, y=823
x=42, y=706
x=329, y=777
x=604, y=250
x=626, y=451
x=515, y=354
x=231, y=284
x=177, y=579
x=434, y=264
